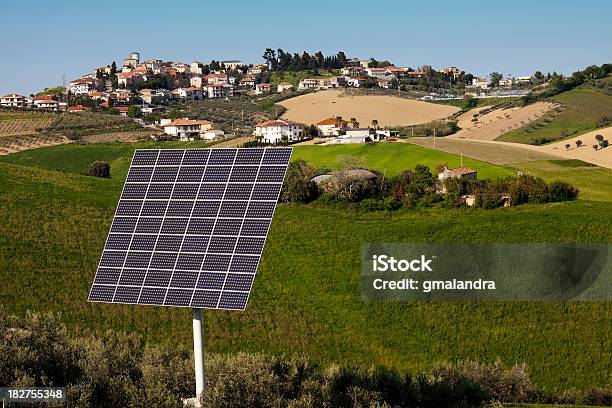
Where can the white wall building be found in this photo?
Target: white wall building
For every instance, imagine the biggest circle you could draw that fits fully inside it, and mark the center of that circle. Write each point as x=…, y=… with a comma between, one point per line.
x=331, y=126
x=219, y=91
x=186, y=129
x=82, y=86
x=12, y=100
x=273, y=131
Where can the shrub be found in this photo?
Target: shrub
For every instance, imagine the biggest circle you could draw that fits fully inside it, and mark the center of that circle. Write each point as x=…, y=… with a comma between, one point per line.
x=99, y=169
x=562, y=191
x=298, y=186
x=385, y=204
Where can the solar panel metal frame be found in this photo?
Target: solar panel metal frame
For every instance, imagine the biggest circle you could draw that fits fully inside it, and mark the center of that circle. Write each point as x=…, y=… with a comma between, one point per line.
x=147, y=264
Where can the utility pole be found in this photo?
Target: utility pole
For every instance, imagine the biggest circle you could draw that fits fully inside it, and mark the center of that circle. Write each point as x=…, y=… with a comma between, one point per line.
x=434, y=144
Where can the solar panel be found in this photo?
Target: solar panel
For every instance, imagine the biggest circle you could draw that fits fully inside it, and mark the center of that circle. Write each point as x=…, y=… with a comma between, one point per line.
x=190, y=227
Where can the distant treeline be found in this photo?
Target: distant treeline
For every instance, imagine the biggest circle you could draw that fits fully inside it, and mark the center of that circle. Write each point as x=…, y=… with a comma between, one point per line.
x=559, y=83
x=280, y=60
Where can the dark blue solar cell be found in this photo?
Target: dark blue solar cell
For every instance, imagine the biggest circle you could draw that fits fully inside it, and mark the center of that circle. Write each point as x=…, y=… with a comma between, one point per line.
x=137, y=260
x=159, y=191
x=196, y=157
x=244, y=264
x=112, y=259
x=174, y=225
x=170, y=157
x=144, y=157
x=211, y=191
x=234, y=209
x=152, y=296
x=163, y=260
x=178, y=297
x=271, y=174
x=206, y=209
x=148, y=225
x=108, y=276
x=227, y=226
x=233, y=300
x=200, y=226
x=216, y=174
x=244, y=174
x=205, y=299
x=179, y=209
x=211, y=280
x=260, y=209
x=187, y=191
x=190, y=174
x=279, y=156
x=143, y=242
x=127, y=294
x=224, y=157
x=133, y=277
x=216, y=263
x=129, y=207
x=255, y=227
x=118, y=241
x=164, y=174
x=238, y=191
x=224, y=245
x=249, y=245
x=239, y=281
x=249, y=156
x=124, y=224
x=158, y=278
x=139, y=175
x=101, y=293
x=266, y=192
x=189, y=261
x=184, y=279
x=169, y=243
x=134, y=191
x=154, y=208
x=195, y=243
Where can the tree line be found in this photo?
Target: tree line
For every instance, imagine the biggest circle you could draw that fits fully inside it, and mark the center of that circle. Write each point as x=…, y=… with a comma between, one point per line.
x=279, y=60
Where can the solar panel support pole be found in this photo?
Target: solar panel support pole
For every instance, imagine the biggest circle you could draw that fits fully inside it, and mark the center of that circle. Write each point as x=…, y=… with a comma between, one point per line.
x=198, y=354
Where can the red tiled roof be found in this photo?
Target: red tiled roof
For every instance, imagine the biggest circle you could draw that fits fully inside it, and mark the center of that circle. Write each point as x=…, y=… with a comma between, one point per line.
x=272, y=123
x=12, y=96
x=76, y=108
x=45, y=98
x=461, y=171
x=187, y=122
x=331, y=121
x=122, y=108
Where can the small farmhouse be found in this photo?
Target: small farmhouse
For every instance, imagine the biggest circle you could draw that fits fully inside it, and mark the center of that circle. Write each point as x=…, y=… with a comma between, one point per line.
x=276, y=131
x=186, y=129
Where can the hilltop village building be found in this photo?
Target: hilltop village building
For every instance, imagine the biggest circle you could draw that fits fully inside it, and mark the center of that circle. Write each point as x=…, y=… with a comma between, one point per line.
x=276, y=131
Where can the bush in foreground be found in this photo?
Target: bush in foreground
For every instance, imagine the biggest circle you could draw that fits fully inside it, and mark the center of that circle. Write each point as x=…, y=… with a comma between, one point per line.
x=120, y=370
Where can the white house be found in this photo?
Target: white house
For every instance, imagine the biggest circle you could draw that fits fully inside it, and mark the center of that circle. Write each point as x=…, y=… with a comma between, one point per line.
x=187, y=93
x=219, y=90
x=377, y=72
x=216, y=79
x=231, y=64
x=196, y=81
x=196, y=67
x=186, y=129
x=481, y=83
x=82, y=86
x=126, y=78
x=331, y=126
x=247, y=81
x=284, y=86
x=308, y=83
x=212, y=134
x=363, y=135
x=45, y=102
x=274, y=131
x=262, y=88
x=12, y=100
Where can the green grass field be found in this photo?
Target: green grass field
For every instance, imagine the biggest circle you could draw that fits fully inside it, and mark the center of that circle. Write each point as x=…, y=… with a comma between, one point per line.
x=294, y=78
x=306, y=298
x=393, y=157
x=583, y=108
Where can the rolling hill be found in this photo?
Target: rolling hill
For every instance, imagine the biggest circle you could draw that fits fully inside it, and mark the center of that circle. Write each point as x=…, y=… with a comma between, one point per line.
x=306, y=299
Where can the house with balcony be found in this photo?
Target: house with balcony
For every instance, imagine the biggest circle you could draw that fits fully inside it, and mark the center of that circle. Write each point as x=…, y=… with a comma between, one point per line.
x=187, y=129
x=13, y=101
x=219, y=90
x=276, y=131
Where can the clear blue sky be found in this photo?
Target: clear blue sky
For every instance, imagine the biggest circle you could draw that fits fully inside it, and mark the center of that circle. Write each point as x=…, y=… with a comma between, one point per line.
x=42, y=40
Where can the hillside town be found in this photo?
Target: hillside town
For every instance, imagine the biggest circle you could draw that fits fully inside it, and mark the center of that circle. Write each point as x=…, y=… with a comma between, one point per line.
x=139, y=88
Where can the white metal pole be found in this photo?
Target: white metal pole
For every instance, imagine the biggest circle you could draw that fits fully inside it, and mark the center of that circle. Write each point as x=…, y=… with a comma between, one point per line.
x=198, y=353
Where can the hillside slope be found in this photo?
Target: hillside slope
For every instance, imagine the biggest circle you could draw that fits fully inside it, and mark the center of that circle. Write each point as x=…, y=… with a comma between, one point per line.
x=583, y=109
x=306, y=298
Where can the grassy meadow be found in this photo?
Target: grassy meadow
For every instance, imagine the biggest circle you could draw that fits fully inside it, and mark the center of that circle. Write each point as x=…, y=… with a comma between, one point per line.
x=582, y=108
x=306, y=299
